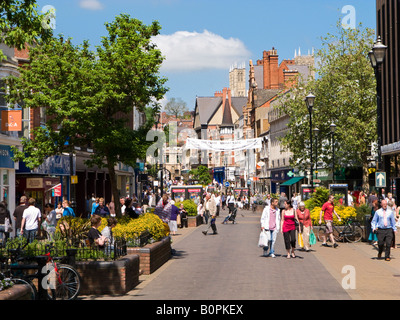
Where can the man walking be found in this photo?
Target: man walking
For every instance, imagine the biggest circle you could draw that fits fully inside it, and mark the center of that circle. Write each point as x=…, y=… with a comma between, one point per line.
x=230, y=201
x=30, y=221
x=384, y=224
x=270, y=222
x=282, y=200
x=211, y=209
x=18, y=212
x=329, y=209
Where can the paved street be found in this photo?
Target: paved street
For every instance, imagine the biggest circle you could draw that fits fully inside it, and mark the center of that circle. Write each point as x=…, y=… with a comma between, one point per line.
x=230, y=266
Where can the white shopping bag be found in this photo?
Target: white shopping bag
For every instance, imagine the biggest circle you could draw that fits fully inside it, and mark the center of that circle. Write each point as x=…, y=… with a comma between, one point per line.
x=264, y=238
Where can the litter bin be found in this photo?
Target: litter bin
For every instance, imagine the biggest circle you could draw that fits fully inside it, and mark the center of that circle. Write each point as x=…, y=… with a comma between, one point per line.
x=367, y=226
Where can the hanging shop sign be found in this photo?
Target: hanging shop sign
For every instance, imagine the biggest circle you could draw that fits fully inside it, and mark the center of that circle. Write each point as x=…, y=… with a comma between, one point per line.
x=11, y=120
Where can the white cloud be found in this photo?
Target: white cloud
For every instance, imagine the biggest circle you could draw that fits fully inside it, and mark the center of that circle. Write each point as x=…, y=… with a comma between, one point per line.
x=91, y=4
x=188, y=51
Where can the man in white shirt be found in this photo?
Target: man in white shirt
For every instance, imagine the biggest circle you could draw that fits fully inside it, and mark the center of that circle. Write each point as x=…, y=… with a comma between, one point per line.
x=270, y=222
x=349, y=199
x=30, y=221
x=230, y=202
x=218, y=203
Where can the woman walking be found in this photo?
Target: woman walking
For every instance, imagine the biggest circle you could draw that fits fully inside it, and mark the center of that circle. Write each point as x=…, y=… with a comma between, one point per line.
x=304, y=217
x=288, y=228
x=372, y=235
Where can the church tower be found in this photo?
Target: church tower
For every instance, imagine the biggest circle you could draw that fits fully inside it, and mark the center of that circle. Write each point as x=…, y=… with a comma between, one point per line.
x=237, y=80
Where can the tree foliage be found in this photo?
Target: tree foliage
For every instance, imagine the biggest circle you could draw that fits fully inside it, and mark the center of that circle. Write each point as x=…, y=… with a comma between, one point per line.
x=21, y=23
x=201, y=174
x=89, y=96
x=345, y=95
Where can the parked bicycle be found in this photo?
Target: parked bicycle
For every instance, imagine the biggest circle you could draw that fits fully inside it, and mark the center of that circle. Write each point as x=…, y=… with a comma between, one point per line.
x=352, y=232
x=54, y=281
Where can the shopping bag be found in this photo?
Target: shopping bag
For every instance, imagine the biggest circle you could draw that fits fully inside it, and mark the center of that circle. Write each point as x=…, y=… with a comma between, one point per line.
x=7, y=225
x=264, y=239
x=300, y=239
x=312, y=239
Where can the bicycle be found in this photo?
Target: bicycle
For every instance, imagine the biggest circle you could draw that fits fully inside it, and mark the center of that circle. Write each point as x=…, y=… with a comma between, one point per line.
x=352, y=232
x=55, y=281
x=8, y=275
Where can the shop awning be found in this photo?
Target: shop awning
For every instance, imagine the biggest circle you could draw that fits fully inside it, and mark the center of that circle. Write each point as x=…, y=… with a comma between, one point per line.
x=291, y=181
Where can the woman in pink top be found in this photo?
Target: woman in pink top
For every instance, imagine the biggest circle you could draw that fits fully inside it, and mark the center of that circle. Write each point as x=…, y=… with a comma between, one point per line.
x=305, y=225
x=288, y=228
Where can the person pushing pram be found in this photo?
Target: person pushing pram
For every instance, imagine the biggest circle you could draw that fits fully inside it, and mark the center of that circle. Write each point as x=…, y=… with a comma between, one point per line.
x=231, y=216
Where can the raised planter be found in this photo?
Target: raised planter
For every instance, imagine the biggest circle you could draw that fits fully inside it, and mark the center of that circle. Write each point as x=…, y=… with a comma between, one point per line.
x=259, y=208
x=153, y=256
x=16, y=292
x=195, y=221
x=109, y=277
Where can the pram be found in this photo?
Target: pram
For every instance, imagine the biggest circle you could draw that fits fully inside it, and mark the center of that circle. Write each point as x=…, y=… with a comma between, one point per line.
x=231, y=216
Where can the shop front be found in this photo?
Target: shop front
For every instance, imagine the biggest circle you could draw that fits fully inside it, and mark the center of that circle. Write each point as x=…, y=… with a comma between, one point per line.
x=39, y=183
x=7, y=177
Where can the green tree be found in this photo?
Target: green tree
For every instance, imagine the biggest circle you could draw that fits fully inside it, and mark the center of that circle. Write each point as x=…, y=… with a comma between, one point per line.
x=201, y=174
x=345, y=95
x=88, y=96
x=21, y=23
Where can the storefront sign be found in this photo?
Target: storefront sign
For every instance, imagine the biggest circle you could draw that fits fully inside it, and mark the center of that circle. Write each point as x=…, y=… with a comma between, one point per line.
x=34, y=183
x=56, y=190
x=6, y=155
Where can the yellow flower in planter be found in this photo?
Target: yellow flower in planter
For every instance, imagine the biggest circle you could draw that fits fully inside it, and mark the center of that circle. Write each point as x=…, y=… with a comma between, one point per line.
x=135, y=227
x=344, y=212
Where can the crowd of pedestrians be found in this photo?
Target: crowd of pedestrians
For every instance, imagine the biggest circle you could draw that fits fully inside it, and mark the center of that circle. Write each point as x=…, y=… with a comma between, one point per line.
x=288, y=216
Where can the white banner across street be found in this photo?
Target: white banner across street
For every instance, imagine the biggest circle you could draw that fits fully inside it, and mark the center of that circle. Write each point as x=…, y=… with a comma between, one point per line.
x=225, y=145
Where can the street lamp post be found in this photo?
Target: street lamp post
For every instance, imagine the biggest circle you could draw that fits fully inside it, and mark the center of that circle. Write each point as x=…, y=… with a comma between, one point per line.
x=316, y=131
x=376, y=56
x=158, y=119
x=310, y=104
x=333, y=129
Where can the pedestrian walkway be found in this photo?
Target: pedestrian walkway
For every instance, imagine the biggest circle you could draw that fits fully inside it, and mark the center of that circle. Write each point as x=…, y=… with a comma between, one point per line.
x=230, y=266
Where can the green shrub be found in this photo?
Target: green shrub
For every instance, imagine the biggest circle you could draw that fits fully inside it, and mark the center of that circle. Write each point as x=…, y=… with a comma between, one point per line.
x=189, y=206
x=318, y=198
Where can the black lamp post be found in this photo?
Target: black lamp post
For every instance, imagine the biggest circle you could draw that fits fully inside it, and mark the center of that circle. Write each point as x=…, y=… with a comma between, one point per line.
x=157, y=120
x=376, y=56
x=333, y=129
x=310, y=104
x=316, y=131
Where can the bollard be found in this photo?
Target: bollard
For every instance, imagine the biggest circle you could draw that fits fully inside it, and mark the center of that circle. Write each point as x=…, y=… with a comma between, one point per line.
x=71, y=254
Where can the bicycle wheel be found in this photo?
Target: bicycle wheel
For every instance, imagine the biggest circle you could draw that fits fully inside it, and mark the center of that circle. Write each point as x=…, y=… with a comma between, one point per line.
x=356, y=234
x=337, y=235
x=321, y=233
x=67, y=284
x=33, y=291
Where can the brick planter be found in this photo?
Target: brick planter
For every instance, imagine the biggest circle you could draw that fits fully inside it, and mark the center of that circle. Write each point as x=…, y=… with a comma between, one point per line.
x=16, y=292
x=109, y=277
x=153, y=256
x=195, y=221
x=260, y=208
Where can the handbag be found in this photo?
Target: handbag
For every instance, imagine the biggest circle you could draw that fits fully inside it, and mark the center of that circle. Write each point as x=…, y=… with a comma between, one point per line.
x=263, y=239
x=7, y=225
x=312, y=239
x=300, y=239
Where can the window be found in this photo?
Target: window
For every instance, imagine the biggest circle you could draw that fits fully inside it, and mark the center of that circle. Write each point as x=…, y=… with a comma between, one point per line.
x=3, y=102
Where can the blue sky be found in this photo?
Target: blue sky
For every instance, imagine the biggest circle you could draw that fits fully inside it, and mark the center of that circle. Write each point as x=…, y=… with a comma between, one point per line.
x=201, y=39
